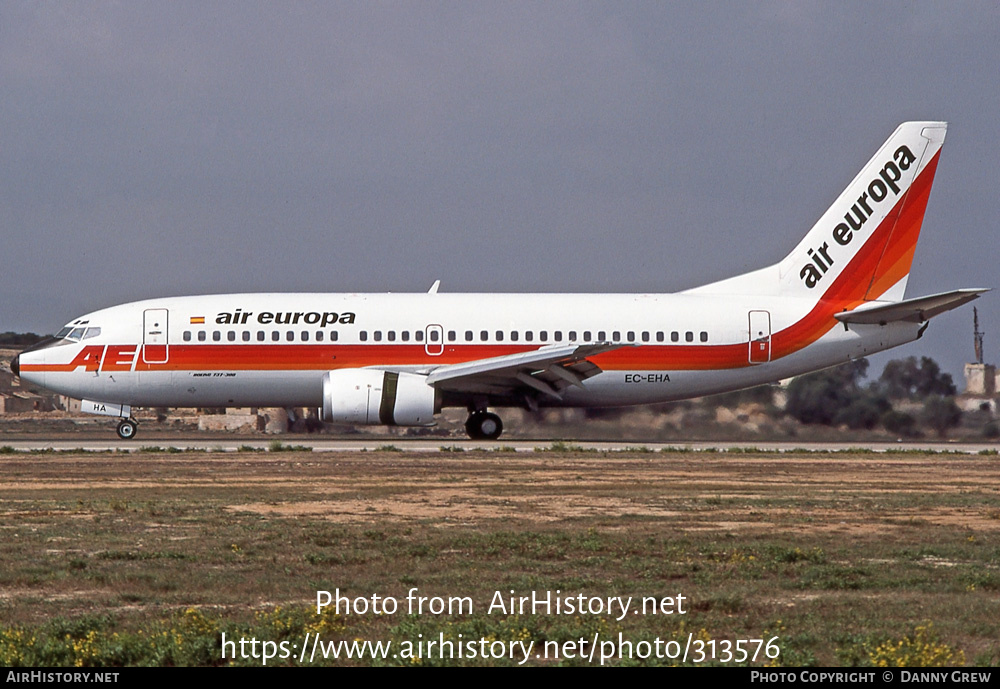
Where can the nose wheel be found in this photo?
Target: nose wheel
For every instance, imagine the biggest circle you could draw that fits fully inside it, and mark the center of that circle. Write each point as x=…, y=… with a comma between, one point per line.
x=127, y=429
x=483, y=425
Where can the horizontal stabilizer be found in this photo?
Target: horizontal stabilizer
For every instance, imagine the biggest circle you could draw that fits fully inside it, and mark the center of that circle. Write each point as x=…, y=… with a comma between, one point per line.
x=913, y=310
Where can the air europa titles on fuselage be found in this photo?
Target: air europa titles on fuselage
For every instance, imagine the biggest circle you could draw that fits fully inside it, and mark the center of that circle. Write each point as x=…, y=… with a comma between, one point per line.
x=843, y=233
x=320, y=318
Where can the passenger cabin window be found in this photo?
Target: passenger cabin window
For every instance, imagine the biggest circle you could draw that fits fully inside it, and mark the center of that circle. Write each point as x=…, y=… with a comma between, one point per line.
x=378, y=335
x=572, y=336
x=645, y=336
x=451, y=336
x=290, y=336
x=704, y=336
x=261, y=335
x=406, y=335
x=543, y=336
x=187, y=335
x=363, y=336
x=468, y=336
x=391, y=336
x=275, y=336
x=529, y=336
x=499, y=335
x=216, y=336
x=675, y=336
x=586, y=335
x=246, y=335
x=305, y=335
x=513, y=336
x=557, y=335
x=659, y=336
x=231, y=336
x=201, y=336
x=602, y=335
x=484, y=335
x=689, y=336
x=319, y=335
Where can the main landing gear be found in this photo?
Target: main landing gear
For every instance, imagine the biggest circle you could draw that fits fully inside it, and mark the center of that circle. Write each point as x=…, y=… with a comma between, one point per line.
x=482, y=425
x=127, y=429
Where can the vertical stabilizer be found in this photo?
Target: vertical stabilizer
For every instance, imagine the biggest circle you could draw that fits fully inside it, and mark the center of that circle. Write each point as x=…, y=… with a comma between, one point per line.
x=862, y=247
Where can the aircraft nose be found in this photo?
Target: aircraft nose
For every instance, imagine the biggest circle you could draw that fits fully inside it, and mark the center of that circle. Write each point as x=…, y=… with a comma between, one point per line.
x=15, y=366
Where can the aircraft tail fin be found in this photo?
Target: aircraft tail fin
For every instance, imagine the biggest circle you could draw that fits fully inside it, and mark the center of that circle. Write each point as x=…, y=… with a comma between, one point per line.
x=861, y=249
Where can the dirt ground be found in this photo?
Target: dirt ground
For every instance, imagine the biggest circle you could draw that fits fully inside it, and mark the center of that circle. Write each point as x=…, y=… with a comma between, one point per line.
x=691, y=491
x=801, y=542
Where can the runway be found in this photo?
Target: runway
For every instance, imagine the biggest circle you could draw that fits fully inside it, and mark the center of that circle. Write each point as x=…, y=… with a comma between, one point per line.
x=448, y=445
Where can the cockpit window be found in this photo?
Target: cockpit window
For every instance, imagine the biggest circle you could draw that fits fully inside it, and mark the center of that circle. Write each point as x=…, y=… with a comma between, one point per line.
x=69, y=334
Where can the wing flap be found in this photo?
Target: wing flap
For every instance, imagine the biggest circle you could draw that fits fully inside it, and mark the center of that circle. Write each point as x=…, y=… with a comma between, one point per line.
x=547, y=370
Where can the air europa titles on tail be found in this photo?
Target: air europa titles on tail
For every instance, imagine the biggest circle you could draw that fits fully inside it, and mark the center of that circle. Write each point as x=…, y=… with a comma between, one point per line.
x=839, y=294
x=854, y=219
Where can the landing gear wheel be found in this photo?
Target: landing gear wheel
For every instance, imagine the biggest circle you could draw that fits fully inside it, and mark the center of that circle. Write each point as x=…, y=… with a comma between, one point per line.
x=127, y=429
x=484, y=426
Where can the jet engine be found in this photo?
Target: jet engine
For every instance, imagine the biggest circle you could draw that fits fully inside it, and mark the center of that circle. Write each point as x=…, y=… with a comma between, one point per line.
x=370, y=396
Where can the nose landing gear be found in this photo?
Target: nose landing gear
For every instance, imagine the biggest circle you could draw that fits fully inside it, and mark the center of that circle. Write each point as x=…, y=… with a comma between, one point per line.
x=483, y=425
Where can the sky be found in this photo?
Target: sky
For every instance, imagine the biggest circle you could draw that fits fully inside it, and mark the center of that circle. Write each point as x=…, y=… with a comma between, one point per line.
x=164, y=148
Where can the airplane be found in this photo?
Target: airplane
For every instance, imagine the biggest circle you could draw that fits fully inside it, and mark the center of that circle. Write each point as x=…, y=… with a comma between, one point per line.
x=398, y=359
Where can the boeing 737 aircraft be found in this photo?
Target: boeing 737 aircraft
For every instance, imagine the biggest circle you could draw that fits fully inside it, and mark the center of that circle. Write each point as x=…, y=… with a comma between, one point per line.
x=398, y=359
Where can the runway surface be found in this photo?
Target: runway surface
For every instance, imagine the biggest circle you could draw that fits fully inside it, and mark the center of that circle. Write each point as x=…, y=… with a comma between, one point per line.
x=321, y=444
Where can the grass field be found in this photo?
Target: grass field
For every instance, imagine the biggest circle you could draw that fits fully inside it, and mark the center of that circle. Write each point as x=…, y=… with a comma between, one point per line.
x=842, y=558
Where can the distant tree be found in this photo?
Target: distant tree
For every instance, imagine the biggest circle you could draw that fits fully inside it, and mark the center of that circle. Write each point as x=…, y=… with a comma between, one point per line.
x=941, y=414
x=865, y=409
x=827, y=397
x=900, y=423
x=906, y=379
x=21, y=339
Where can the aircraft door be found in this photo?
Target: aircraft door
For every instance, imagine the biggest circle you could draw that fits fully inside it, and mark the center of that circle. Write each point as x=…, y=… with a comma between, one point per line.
x=760, y=337
x=434, y=340
x=154, y=336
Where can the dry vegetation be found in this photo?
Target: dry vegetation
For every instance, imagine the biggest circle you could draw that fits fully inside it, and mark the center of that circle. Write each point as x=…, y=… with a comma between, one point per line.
x=841, y=555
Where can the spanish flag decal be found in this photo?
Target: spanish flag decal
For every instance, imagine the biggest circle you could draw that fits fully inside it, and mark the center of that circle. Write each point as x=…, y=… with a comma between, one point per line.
x=197, y=320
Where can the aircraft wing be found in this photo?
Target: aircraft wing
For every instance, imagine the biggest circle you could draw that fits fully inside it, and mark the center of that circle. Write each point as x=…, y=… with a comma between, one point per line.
x=913, y=310
x=548, y=370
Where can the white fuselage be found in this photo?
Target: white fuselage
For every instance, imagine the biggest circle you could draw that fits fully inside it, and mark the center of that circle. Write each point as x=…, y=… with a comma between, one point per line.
x=274, y=349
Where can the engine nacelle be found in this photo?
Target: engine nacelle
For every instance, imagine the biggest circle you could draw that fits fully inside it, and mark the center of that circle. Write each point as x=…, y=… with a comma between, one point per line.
x=369, y=396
